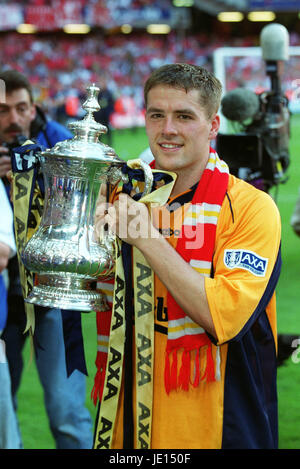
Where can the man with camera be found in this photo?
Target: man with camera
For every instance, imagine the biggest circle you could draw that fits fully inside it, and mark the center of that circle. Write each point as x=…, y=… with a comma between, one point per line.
x=70, y=422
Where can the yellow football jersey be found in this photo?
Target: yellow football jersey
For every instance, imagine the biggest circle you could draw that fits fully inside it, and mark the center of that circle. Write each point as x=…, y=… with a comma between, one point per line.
x=239, y=409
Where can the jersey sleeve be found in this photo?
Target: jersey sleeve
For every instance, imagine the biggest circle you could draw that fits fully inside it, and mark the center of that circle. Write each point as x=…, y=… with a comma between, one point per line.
x=246, y=261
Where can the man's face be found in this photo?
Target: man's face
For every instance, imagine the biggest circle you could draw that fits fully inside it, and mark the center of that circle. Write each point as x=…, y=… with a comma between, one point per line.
x=16, y=115
x=178, y=129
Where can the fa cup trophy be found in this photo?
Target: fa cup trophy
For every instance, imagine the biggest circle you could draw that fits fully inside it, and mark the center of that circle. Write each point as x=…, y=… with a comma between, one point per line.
x=64, y=253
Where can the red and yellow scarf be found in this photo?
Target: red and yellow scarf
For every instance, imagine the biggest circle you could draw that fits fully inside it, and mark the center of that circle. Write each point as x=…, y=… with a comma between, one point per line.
x=196, y=246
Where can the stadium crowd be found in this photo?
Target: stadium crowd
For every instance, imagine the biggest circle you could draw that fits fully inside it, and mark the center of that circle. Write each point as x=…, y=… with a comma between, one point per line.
x=61, y=67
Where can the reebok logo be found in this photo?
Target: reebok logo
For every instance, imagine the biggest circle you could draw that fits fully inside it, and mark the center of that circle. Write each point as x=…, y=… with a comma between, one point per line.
x=247, y=260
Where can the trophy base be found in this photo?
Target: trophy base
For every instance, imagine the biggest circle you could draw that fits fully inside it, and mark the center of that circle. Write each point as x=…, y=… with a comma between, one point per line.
x=53, y=292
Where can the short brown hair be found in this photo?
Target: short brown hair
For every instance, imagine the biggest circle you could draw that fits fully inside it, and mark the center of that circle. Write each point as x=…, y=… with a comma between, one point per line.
x=188, y=77
x=15, y=80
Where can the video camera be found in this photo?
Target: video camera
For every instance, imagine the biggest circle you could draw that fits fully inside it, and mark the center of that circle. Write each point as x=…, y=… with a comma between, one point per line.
x=259, y=153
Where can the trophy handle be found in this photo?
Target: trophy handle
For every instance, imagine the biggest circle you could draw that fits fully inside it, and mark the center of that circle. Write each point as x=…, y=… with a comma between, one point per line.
x=148, y=175
x=117, y=174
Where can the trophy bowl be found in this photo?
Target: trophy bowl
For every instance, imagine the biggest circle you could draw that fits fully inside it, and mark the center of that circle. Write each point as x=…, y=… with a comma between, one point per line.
x=64, y=253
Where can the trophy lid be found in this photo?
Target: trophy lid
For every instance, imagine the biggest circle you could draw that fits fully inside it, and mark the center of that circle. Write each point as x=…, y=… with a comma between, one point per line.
x=86, y=144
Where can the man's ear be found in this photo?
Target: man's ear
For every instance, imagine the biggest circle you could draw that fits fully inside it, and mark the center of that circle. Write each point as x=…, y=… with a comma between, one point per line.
x=215, y=125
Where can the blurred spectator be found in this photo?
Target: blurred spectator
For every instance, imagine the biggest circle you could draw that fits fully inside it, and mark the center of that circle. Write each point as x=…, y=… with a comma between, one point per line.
x=295, y=219
x=57, y=66
x=106, y=102
x=9, y=434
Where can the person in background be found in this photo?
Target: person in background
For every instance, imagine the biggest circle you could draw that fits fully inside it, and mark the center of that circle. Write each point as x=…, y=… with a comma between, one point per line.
x=69, y=419
x=295, y=218
x=106, y=102
x=9, y=434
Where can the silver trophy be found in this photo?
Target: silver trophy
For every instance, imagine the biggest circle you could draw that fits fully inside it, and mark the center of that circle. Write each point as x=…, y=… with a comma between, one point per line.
x=64, y=252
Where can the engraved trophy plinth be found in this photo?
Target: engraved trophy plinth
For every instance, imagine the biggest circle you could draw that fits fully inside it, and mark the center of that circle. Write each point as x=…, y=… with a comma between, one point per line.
x=64, y=252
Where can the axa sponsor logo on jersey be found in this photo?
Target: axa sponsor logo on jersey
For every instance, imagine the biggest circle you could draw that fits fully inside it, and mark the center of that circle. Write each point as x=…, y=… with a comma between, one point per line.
x=247, y=260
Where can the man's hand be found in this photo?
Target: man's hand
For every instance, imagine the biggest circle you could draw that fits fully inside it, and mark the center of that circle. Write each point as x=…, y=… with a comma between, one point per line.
x=4, y=255
x=5, y=163
x=128, y=219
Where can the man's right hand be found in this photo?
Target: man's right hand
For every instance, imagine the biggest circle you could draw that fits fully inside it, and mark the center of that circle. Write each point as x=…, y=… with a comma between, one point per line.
x=5, y=163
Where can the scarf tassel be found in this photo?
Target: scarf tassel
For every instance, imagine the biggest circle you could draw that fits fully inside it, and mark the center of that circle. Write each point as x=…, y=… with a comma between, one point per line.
x=197, y=369
x=209, y=373
x=185, y=371
x=99, y=379
x=103, y=319
x=184, y=377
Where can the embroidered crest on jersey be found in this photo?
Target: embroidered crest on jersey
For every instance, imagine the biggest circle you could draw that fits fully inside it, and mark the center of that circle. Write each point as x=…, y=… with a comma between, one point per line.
x=247, y=260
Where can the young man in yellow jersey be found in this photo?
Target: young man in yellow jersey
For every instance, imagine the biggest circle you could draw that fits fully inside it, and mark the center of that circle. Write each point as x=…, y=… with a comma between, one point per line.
x=216, y=262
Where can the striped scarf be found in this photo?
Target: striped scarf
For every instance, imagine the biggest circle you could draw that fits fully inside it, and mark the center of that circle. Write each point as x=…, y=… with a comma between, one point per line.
x=103, y=319
x=196, y=246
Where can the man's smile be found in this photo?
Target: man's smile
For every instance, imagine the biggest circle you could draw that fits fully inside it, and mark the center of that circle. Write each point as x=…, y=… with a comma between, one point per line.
x=170, y=146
